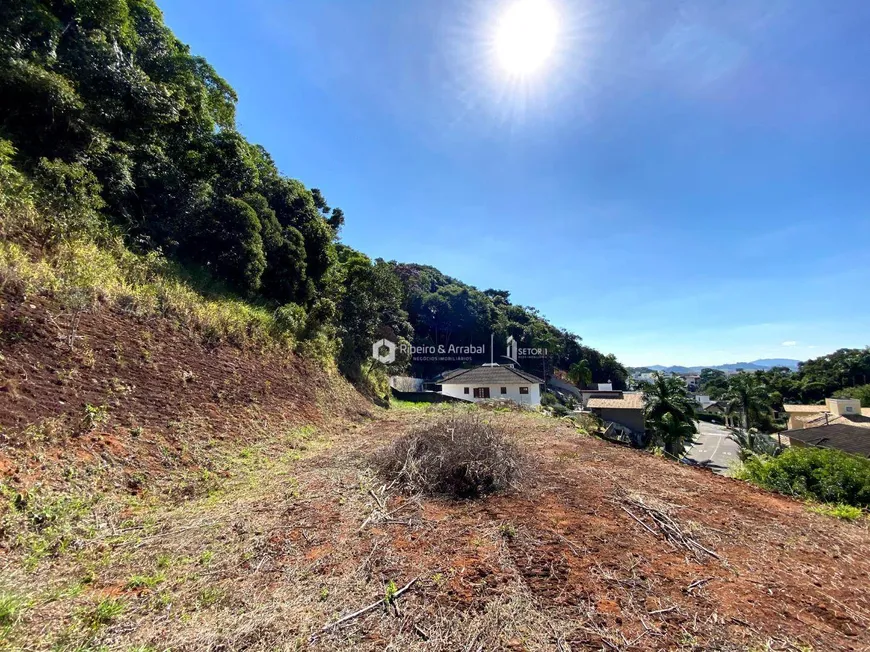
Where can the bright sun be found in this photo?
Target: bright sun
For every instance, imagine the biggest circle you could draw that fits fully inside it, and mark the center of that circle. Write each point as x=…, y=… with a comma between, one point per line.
x=526, y=35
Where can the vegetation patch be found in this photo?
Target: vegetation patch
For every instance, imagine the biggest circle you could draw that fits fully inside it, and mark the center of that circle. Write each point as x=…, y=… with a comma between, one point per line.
x=844, y=512
x=460, y=455
x=826, y=475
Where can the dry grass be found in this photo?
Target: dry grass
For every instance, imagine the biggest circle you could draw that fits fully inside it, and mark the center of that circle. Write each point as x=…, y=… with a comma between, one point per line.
x=459, y=455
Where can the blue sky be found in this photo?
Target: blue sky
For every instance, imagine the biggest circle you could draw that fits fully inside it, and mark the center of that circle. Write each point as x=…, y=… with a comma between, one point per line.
x=682, y=183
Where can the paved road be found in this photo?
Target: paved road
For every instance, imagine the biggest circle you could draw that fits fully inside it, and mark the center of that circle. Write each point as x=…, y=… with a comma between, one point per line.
x=713, y=448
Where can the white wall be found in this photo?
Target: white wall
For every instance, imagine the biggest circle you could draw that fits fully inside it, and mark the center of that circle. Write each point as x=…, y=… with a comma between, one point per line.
x=513, y=393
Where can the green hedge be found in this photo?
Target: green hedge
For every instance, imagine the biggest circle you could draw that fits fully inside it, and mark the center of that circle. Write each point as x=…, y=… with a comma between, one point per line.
x=823, y=474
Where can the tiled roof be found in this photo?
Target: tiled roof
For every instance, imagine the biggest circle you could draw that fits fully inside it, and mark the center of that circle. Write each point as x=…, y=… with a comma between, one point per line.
x=811, y=409
x=627, y=402
x=489, y=376
x=829, y=420
x=847, y=438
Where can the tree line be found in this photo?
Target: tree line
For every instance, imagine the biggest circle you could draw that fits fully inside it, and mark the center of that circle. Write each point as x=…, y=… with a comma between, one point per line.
x=116, y=128
x=844, y=373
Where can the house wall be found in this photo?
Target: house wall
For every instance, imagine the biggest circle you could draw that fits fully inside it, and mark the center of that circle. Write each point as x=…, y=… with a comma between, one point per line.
x=513, y=393
x=844, y=406
x=632, y=419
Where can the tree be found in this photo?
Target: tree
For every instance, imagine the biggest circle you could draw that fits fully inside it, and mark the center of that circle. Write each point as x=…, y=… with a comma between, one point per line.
x=753, y=443
x=675, y=434
x=713, y=382
x=746, y=397
x=580, y=374
x=336, y=220
x=862, y=393
x=232, y=245
x=668, y=395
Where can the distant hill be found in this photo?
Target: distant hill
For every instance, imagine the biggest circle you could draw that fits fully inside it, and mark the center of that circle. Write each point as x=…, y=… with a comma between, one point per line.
x=778, y=362
x=755, y=365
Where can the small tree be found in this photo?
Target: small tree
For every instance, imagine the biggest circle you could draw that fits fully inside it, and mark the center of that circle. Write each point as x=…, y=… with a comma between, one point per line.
x=675, y=434
x=580, y=374
x=754, y=443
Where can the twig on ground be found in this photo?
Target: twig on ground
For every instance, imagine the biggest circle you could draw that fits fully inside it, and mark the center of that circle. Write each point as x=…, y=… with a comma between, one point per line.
x=667, y=526
x=364, y=610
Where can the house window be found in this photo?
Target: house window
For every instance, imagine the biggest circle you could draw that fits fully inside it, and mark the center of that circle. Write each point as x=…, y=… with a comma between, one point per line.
x=481, y=392
x=465, y=390
x=504, y=390
x=524, y=390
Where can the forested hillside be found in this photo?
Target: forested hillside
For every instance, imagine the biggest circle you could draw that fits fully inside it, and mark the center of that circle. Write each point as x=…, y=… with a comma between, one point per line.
x=119, y=151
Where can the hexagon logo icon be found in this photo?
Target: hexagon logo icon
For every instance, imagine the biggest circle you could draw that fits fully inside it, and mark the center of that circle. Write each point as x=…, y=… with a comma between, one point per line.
x=388, y=357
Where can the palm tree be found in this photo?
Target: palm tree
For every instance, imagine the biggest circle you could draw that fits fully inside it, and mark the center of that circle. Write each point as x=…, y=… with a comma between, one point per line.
x=675, y=434
x=580, y=374
x=745, y=396
x=668, y=395
x=753, y=443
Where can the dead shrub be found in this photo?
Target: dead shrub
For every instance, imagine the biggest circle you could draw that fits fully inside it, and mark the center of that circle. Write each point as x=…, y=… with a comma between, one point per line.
x=459, y=455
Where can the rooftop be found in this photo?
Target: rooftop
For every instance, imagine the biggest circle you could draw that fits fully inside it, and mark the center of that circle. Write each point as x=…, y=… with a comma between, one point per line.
x=803, y=409
x=828, y=419
x=498, y=375
x=847, y=438
x=629, y=401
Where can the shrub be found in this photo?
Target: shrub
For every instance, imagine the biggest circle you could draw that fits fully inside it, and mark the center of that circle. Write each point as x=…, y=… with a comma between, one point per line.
x=827, y=475
x=459, y=455
x=844, y=512
x=290, y=318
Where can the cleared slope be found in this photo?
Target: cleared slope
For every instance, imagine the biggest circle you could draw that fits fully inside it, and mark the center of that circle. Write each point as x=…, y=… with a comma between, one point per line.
x=258, y=520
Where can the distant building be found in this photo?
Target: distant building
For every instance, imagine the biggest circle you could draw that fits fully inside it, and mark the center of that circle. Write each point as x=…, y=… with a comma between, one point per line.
x=627, y=410
x=491, y=382
x=846, y=411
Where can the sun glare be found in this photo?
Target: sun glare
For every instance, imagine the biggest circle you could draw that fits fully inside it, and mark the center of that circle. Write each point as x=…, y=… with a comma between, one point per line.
x=526, y=36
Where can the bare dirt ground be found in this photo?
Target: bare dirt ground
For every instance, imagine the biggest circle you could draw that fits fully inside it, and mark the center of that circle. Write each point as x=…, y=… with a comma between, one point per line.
x=258, y=524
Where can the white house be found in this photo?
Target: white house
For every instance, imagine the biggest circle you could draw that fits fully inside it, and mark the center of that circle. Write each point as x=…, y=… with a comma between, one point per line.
x=491, y=382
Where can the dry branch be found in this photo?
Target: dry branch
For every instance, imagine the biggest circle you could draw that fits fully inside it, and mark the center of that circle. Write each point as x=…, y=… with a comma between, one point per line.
x=360, y=612
x=666, y=526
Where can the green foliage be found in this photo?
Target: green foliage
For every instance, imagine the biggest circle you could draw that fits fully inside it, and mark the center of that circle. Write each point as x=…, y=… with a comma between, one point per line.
x=231, y=245
x=145, y=581
x=102, y=613
x=822, y=474
x=44, y=523
x=580, y=373
x=862, y=393
x=674, y=434
x=11, y=608
x=291, y=318
x=843, y=512
x=70, y=197
x=669, y=413
x=668, y=395
x=443, y=310
x=754, y=443
x=747, y=397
